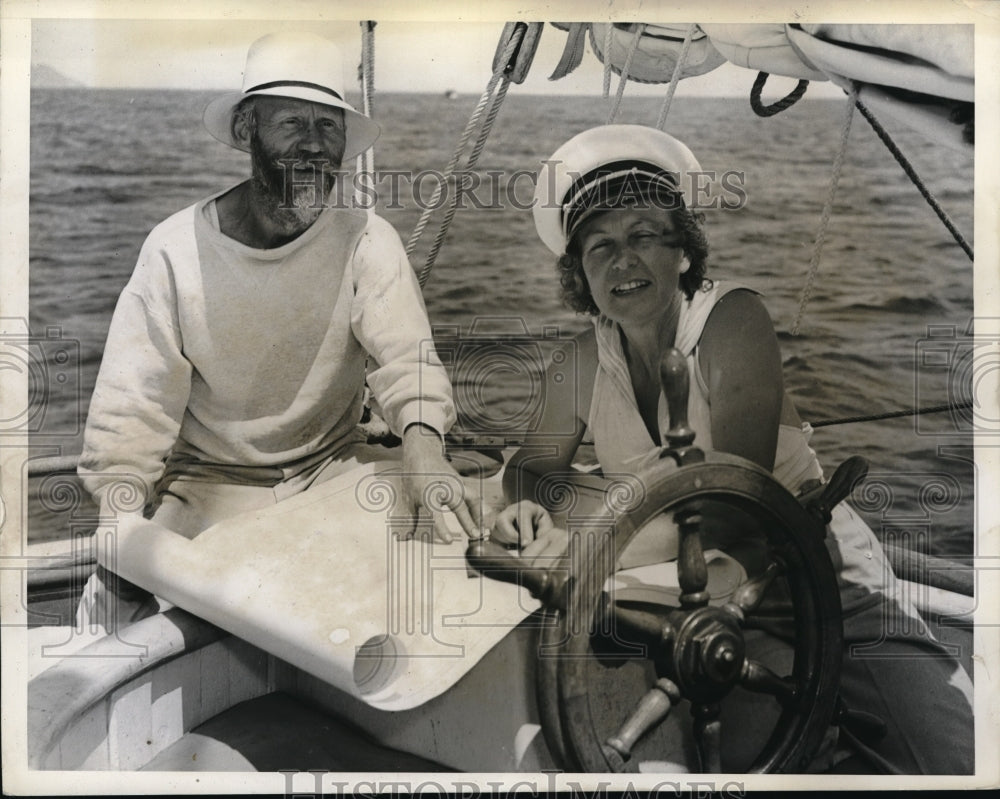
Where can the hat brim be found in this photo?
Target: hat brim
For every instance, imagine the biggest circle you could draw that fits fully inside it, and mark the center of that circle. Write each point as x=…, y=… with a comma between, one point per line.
x=597, y=147
x=361, y=131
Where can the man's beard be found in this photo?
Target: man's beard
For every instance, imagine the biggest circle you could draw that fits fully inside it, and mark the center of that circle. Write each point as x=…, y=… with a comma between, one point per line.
x=293, y=204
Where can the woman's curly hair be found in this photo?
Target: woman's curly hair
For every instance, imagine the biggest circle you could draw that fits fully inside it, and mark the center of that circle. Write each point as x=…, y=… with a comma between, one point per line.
x=575, y=290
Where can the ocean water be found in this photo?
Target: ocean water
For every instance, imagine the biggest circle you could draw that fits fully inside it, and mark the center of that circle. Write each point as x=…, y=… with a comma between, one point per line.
x=885, y=327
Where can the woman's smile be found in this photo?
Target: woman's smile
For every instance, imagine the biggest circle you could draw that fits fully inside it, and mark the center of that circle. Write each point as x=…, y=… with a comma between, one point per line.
x=632, y=261
x=629, y=287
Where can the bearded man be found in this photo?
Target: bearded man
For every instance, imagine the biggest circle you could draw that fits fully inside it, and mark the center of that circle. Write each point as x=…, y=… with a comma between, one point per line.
x=234, y=369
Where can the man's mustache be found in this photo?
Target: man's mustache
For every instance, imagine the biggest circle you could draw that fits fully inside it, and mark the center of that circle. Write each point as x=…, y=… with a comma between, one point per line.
x=305, y=163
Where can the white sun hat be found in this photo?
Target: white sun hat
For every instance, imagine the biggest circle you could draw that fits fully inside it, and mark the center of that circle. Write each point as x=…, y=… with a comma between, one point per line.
x=301, y=66
x=579, y=164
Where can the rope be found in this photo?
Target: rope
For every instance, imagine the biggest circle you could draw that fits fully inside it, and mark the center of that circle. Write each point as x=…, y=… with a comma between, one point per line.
x=477, y=114
x=368, y=62
x=824, y=222
x=914, y=177
x=608, y=36
x=367, y=70
x=368, y=88
x=490, y=119
x=632, y=47
x=661, y=120
x=473, y=158
x=788, y=101
x=450, y=168
x=954, y=406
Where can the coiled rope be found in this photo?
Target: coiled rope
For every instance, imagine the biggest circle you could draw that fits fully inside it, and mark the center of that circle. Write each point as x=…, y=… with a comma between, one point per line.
x=491, y=99
x=675, y=78
x=788, y=101
x=838, y=164
x=911, y=173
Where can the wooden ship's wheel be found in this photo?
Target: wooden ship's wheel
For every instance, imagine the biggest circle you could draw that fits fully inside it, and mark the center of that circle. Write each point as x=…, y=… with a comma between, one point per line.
x=611, y=671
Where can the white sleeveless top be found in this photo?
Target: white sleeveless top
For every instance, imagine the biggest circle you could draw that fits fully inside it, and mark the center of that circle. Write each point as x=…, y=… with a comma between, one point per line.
x=623, y=445
x=621, y=440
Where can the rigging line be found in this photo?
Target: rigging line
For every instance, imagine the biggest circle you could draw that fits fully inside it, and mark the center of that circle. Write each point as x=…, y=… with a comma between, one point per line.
x=367, y=166
x=368, y=90
x=509, y=50
x=450, y=168
x=488, y=124
x=608, y=35
x=952, y=406
x=661, y=120
x=368, y=65
x=632, y=47
x=838, y=164
x=911, y=173
x=473, y=158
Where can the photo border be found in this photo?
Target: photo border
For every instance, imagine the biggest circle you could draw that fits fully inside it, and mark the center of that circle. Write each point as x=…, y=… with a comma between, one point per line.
x=15, y=34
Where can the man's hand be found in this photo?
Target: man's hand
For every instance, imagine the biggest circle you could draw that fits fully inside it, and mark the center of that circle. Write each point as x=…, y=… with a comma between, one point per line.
x=431, y=485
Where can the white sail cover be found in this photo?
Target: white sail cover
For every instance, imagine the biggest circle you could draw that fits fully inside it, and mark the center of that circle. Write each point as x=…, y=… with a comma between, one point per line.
x=921, y=75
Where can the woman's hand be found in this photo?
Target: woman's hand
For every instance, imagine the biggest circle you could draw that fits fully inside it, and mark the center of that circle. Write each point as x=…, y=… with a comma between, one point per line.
x=528, y=525
x=547, y=546
x=521, y=523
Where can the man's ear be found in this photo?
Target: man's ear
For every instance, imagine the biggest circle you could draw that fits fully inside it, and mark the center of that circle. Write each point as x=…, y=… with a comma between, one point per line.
x=242, y=128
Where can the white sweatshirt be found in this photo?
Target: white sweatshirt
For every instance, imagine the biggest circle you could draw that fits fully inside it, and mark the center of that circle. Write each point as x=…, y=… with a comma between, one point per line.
x=224, y=354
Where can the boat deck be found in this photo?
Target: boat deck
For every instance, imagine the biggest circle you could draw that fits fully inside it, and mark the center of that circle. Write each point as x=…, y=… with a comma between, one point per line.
x=279, y=732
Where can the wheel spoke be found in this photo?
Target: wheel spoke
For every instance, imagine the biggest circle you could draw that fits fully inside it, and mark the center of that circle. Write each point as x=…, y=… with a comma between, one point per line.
x=619, y=628
x=692, y=571
x=708, y=737
x=749, y=595
x=652, y=709
x=641, y=626
x=759, y=678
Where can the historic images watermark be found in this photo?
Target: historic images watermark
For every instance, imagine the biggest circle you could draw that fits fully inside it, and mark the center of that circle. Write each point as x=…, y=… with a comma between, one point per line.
x=316, y=783
x=503, y=375
x=491, y=189
x=955, y=369
x=50, y=363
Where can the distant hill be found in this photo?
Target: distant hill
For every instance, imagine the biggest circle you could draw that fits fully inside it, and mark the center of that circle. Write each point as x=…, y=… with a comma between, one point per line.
x=45, y=77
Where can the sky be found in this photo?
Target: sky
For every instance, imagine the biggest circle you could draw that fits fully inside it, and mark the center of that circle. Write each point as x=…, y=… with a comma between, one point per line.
x=409, y=56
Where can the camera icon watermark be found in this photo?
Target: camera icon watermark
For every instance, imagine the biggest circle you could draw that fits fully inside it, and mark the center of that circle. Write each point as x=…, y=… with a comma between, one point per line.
x=51, y=365
x=504, y=377
x=957, y=370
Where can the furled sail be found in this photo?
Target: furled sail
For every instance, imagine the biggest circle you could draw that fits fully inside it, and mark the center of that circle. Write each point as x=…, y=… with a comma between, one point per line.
x=920, y=75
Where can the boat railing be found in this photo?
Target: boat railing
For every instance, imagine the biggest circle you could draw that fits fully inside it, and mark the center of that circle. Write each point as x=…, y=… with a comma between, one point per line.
x=53, y=464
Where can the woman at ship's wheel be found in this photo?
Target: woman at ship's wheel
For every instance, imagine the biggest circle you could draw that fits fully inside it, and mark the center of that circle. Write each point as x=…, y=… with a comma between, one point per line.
x=620, y=207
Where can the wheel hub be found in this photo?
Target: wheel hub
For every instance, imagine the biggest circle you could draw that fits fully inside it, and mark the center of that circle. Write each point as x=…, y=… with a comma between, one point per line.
x=708, y=655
